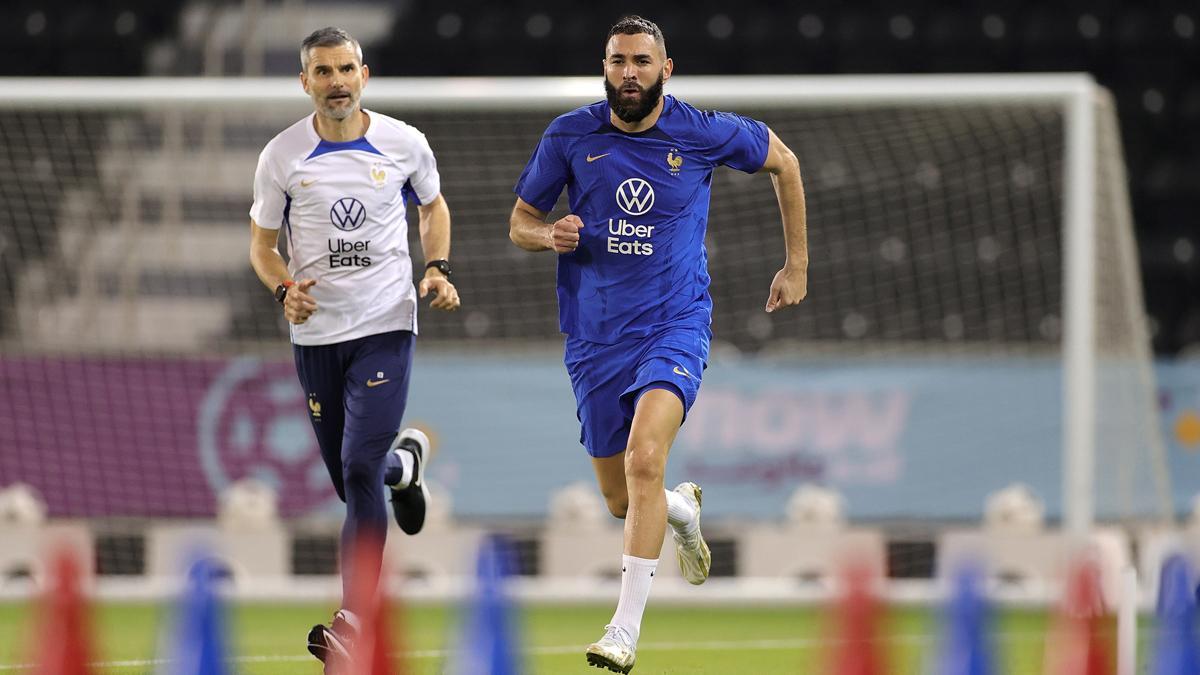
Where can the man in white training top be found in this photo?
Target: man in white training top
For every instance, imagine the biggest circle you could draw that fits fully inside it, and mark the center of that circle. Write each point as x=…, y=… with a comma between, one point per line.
x=336, y=183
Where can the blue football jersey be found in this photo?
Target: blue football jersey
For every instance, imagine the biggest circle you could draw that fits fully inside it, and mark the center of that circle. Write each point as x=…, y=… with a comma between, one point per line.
x=643, y=199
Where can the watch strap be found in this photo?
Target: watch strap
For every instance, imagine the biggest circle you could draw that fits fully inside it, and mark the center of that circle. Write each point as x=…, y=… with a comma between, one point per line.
x=442, y=265
x=282, y=289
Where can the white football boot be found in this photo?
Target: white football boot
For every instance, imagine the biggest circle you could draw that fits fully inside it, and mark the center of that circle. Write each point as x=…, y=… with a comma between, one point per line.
x=695, y=559
x=615, y=651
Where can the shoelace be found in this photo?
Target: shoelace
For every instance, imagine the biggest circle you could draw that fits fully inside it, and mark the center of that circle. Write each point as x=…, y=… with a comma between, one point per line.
x=618, y=635
x=687, y=542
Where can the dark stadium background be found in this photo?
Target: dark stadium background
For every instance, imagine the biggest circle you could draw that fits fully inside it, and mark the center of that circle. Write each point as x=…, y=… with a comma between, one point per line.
x=1147, y=53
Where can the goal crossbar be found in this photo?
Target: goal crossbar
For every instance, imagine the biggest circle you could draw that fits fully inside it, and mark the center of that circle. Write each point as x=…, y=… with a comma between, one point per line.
x=517, y=93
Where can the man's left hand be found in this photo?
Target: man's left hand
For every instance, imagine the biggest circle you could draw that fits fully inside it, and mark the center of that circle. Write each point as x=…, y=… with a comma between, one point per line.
x=789, y=287
x=445, y=295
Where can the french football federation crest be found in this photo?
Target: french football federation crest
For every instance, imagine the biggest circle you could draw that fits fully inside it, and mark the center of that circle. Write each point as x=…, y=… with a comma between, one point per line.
x=314, y=407
x=378, y=175
x=674, y=161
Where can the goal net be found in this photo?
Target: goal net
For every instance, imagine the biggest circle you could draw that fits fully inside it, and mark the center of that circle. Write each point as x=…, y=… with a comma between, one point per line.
x=974, y=316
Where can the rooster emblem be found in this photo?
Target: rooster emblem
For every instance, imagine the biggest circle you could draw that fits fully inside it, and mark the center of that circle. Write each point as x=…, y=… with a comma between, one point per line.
x=314, y=407
x=674, y=161
x=378, y=174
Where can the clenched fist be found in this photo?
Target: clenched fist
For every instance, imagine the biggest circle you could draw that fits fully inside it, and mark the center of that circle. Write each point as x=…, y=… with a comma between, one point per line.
x=564, y=234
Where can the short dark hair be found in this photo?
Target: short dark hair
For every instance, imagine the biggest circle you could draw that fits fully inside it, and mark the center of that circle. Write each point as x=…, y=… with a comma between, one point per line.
x=633, y=25
x=329, y=36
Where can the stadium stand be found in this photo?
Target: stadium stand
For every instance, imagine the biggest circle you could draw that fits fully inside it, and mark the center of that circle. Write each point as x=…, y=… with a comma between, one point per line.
x=1148, y=56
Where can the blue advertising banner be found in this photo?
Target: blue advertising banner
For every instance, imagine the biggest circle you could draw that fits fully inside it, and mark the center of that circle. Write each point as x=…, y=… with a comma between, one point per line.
x=899, y=440
x=918, y=439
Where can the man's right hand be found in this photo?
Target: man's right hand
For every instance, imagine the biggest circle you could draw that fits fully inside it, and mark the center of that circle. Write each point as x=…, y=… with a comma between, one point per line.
x=298, y=305
x=564, y=234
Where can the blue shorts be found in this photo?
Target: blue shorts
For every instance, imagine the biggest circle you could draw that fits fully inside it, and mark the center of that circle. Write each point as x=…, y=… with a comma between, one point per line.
x=609, y=379
x=356, y=393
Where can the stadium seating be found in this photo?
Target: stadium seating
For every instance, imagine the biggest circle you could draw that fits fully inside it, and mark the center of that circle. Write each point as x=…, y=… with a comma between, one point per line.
x=1148, y=56
x=82, y=38
x=861, y=37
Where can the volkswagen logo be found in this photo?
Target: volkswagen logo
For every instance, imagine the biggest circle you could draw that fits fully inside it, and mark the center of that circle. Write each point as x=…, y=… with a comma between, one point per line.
x=347, y=214
x=635, y=196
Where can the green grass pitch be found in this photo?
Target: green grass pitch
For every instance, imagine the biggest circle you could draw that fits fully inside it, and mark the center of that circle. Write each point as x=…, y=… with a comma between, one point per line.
x=269, y=639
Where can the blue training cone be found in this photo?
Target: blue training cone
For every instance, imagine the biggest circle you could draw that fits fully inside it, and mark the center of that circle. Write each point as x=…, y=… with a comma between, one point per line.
x=1176, y=649
x=488, y=643
x=197, y=645
x=965, y=648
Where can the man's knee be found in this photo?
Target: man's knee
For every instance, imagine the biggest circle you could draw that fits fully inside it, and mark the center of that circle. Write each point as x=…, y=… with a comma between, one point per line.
x=644, y=463
x=359, y=471
x=618, y=505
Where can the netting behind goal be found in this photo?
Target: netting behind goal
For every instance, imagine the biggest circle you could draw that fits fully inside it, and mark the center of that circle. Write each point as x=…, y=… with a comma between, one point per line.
x=145, y=369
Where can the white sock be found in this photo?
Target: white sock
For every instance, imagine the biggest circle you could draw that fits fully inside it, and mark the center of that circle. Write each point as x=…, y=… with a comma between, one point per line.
x=636, y=575
x=681, y=516
x=408, y=464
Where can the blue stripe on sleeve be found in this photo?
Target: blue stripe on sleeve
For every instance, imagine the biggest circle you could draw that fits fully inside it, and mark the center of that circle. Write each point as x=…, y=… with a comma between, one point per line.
x=407, y=192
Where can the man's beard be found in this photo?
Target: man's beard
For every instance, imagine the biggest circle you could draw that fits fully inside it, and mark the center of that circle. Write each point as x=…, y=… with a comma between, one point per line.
x=631, y=111
x=340, y=112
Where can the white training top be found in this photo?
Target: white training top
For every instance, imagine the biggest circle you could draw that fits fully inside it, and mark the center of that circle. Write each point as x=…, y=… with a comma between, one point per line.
x=343, y=209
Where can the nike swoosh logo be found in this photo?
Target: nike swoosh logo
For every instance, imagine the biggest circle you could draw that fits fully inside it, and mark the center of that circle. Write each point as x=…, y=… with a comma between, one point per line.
x=306, y=183
x=591, y=159
x=683, y=372
x=376, y=383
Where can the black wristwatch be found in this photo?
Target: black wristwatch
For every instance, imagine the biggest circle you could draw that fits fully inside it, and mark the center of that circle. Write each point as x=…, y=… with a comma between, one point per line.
x=441, y=265
x=282, y=289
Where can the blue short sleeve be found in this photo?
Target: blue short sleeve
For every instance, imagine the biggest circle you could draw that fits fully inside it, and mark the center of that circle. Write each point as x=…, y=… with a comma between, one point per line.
x=737, y=142
x=545, y=175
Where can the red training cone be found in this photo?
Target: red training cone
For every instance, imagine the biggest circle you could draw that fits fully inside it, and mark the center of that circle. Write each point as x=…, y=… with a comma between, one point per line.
x=858, y=616
x=64, y=646
x=371, y=653
x=1081, y=639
